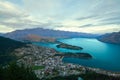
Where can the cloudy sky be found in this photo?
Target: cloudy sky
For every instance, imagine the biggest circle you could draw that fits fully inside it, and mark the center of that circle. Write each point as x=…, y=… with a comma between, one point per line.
x=91, y=16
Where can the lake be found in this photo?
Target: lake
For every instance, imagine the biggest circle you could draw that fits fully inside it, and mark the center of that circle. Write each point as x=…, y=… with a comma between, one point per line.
x=105, y=56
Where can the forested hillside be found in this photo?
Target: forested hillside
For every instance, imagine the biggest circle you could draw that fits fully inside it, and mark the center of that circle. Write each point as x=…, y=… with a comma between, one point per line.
x=6, y=47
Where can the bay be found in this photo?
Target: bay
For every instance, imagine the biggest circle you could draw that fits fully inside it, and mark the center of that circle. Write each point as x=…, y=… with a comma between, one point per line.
x=105, y=56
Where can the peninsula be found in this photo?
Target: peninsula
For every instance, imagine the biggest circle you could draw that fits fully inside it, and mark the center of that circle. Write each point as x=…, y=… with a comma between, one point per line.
x=75, y=55
x=67, y=46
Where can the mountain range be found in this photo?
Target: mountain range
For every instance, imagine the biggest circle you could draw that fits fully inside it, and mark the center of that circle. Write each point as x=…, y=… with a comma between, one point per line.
x=110, y=38
x=1, y=34
x=38, y=33
x=48, y=35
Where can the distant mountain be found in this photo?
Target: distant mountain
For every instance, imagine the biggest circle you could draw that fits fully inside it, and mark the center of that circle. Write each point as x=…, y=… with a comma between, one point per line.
x=22, y=34
x=111, y=38
x=36, y=38
x=1, y=34
x=6, y=47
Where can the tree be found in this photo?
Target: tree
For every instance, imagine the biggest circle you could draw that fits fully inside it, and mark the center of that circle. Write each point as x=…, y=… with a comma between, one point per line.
x=14, y=71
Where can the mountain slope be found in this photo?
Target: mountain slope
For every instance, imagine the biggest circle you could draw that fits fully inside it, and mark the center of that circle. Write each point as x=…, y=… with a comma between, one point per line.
x=111, y=38
x=36, y=38
x=6, y=47
x=1, y=34
x=21, y=34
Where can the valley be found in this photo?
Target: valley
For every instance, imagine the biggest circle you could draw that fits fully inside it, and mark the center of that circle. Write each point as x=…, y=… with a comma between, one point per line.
x=48, y=62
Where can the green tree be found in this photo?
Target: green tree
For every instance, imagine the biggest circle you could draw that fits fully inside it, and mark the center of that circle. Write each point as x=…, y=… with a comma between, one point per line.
x=17, y=72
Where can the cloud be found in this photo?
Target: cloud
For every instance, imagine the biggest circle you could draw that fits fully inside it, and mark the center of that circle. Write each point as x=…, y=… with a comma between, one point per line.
x=117, y=18
x=4, y=29
x=103, y=13
x=94, y=29
x=13, y=17
x=86, y=25
x=87, y=17
x=71, y=15
x=42, y=8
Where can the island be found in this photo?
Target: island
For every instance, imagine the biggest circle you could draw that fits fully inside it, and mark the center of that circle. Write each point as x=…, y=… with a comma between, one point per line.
x=75, y=55
x=67, y=46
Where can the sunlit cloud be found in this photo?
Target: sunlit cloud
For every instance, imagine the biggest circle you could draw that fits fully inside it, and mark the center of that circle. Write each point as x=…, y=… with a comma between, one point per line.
x=94, y=29
x=67, y=15
x=5, y=29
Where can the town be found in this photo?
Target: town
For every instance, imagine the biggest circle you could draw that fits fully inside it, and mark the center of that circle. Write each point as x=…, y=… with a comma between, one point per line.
x=46, y=65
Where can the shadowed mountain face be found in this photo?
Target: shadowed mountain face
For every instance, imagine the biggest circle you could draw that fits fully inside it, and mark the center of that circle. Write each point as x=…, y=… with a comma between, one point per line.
x=22, y=34
x=111, y=38
x=1, y=34
x=7, y=44
x=6, y=47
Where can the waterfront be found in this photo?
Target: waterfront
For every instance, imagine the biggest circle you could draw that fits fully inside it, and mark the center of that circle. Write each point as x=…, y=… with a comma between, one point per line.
x=105, y=56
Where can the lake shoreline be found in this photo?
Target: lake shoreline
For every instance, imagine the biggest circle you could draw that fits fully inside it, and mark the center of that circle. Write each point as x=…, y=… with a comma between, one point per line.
x=67, y=46
x=75, y=55
x=96, y=52
x=98, y=70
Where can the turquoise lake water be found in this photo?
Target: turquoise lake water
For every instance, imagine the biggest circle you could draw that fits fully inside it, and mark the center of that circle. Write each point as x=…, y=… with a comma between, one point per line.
x=105, y=56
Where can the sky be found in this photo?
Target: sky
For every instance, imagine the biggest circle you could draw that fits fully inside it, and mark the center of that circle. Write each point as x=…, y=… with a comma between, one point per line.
x=89, y=16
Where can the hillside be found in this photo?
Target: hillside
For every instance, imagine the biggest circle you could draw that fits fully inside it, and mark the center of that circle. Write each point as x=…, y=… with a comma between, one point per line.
x=36, y=38
x=22, y=34
x=111, y=38
x=1, y=34
x=6, y=47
